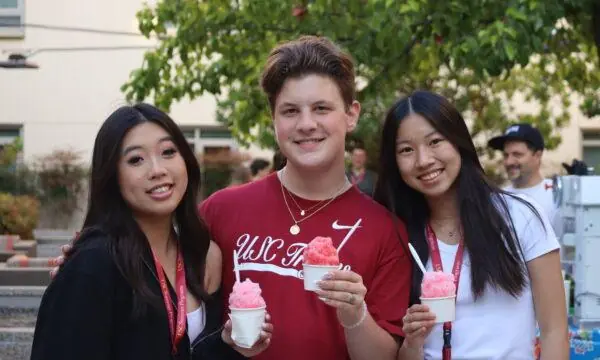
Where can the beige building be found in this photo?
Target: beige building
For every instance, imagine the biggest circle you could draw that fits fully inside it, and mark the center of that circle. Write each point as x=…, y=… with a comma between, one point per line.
x=580, y=140
x=62, y=103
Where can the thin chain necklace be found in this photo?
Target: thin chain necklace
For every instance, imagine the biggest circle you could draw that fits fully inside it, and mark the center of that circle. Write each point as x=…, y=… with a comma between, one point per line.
x=295, y=228
x=302, y=211
x=456, y=230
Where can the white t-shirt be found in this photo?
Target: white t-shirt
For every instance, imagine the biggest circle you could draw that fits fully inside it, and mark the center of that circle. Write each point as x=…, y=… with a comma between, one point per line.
x=542, y=194
x=196, y=320
x=497, y=326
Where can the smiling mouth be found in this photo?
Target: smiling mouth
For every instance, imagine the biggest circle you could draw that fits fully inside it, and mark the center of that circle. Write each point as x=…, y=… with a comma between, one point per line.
x=309, y=141
x=160, y=189
x=431, y=175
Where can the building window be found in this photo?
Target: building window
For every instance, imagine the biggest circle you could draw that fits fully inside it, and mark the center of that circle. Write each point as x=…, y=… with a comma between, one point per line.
x=215, y=133
x=591, y=149
x=12, y=18
x=205, y=137
x=8, y=134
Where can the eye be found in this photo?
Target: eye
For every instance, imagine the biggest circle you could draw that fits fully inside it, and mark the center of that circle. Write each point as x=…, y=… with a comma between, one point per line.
x=436, y=141
x=289, y=112
x=170, y=152
x=135, y=160
x=322, y=109
x=404, y=150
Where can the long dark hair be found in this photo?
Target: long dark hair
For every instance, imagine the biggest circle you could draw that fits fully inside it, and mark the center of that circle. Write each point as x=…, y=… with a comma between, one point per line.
x=108, y=212
x=488, y=231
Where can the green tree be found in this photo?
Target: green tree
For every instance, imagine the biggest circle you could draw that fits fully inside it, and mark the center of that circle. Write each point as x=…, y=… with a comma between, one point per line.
x=478, y=53
x=9, y=152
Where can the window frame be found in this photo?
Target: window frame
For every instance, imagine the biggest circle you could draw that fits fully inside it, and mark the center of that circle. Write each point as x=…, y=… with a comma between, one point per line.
x=17, y=32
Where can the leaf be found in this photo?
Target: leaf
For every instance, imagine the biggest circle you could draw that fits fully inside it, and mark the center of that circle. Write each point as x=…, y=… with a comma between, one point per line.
x=516, y=14
x=510, y=50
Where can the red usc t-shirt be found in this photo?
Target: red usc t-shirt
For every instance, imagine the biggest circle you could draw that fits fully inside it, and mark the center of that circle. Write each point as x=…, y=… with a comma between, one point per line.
x=253, y=219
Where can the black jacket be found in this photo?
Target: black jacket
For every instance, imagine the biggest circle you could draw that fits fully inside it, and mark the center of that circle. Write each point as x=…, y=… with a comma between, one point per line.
x=86, y=313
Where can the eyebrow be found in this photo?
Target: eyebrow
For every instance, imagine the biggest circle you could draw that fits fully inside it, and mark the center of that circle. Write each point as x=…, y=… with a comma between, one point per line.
x=426, y=136
x=318, y=102
x=286, y=104
x=137, y=147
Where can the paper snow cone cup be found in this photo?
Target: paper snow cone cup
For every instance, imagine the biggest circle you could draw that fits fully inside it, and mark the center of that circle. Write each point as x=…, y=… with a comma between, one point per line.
x=444, y=308
x=246, y=325
x=314, y=273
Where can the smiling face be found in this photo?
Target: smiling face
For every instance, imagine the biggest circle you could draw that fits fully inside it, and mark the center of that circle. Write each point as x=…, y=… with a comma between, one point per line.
x=311, y=121
x=152, y=173
x=520, y=161
x=427, y=161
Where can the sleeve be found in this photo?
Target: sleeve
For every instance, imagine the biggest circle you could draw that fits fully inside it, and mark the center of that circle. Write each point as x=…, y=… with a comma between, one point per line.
x=536, y=234
x=388, y=293
x=207, y=211
x=75, y=319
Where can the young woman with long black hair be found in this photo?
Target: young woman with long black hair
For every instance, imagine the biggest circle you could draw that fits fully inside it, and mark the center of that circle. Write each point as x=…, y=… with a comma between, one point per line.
x=142, y=279
x=500, y=247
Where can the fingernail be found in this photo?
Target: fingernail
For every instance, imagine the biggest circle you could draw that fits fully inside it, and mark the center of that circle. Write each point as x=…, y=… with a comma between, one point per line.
x=328, y=276
x=318, y=283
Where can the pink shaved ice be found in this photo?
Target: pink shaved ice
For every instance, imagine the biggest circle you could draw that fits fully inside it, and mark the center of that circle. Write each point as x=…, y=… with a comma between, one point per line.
x=320, y=251
x=437, y=284
x=246, y=295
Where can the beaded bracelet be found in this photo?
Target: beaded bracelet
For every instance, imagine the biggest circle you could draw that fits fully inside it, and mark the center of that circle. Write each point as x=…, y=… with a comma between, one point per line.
x=360, y=321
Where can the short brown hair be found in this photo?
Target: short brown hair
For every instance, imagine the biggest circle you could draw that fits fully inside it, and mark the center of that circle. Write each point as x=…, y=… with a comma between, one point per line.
x=304, y=56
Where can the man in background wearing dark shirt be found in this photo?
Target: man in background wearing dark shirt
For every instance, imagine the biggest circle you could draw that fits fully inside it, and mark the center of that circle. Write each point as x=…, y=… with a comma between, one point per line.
x=358, y=174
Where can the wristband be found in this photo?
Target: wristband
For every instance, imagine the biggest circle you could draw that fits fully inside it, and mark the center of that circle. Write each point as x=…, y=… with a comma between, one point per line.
x=360, y=321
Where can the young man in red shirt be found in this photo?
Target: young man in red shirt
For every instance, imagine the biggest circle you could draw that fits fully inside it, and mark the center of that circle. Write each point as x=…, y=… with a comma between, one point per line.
x=357, y=315
x=358, y=312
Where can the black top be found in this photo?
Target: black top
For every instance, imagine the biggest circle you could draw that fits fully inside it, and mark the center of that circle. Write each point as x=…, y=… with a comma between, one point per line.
x=86, y=313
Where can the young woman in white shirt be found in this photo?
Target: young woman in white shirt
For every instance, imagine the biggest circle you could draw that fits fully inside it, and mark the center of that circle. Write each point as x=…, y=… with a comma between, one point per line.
x=431, y=177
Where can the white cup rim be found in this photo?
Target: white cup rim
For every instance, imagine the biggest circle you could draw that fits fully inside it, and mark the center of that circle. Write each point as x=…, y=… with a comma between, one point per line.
x=248, y=309
x=438, y=298
x=321, y=266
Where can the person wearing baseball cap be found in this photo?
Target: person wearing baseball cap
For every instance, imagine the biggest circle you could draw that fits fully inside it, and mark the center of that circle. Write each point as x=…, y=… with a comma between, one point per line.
x=523, y=146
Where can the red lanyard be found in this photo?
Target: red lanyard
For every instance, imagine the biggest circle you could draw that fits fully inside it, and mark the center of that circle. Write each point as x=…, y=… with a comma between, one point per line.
x=181, y=288
x=436, y=262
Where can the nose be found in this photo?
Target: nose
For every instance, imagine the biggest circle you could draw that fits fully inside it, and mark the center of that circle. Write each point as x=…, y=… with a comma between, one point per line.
x=509, y=160
x=157, y=168
x=306, y=122
x=425, y=158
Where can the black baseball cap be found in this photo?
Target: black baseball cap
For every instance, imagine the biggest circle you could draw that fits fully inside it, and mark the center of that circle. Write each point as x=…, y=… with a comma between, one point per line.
x=519, y=132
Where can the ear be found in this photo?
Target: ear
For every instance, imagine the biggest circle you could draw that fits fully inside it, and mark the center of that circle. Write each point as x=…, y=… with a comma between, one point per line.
x=352, y=115
x=538, y=154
